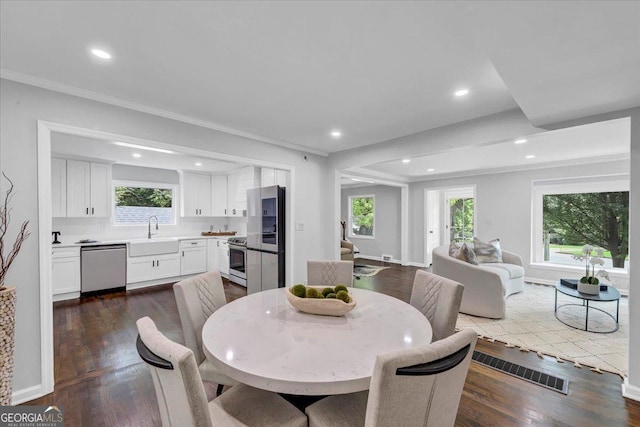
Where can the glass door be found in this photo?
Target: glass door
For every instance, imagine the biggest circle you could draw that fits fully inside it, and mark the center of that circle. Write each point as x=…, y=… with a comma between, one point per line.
x=459, y=214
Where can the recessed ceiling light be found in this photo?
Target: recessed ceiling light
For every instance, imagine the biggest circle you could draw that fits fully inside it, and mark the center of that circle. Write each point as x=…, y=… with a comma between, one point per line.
x=336, y=133
x=143, y=147
x=461, y=92
x=530, y=156
x=137, y=155
x=102, y=54
x=519, y=141
x=430, y=170
x=406, y=160
x=198, y=164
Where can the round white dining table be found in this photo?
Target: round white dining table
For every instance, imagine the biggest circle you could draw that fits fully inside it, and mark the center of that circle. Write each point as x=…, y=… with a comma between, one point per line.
x=263, y=341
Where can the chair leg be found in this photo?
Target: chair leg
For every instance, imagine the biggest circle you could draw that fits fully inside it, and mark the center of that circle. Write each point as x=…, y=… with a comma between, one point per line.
x=219, y=390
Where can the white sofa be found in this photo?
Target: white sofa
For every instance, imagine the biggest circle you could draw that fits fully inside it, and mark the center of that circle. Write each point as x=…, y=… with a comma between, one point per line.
x=486, y=286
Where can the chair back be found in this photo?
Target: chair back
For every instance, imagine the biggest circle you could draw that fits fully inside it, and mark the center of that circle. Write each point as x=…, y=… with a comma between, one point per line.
x=176, y=379
x=439, y=299
x=420, y=386
x=330, y=273
x=197, y=298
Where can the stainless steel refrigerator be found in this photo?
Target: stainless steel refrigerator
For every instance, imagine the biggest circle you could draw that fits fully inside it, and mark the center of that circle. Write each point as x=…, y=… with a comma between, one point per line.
x=265, y=238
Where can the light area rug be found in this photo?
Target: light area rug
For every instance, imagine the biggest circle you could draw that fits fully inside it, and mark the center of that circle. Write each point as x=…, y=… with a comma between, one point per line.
x=530, y=325
x=367, y=270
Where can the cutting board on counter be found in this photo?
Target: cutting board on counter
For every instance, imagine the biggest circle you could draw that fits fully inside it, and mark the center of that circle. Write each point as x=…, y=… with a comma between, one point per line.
x=218, y=233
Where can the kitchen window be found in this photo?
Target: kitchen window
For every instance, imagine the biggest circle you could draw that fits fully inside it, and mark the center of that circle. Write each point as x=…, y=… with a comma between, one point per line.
x=135, y=202
x=362, y=216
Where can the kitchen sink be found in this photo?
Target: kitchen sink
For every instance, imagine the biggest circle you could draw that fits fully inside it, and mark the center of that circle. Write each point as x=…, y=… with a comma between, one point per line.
x=144, y=247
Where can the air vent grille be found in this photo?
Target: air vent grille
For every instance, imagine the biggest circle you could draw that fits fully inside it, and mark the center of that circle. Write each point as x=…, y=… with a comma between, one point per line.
x=537, y=377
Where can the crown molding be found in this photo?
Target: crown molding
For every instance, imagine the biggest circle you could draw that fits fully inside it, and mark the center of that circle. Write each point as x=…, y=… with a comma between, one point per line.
x=118, y=102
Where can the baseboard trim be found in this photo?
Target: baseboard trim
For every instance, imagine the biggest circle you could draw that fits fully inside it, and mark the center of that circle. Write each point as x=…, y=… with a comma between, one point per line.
x=417, y=264
x=27, y=394
x=630, y=391
x=378, y=258
x=540, y=281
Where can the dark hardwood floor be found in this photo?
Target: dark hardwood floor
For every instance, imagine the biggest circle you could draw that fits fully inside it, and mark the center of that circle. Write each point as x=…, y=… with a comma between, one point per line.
x=101, y=381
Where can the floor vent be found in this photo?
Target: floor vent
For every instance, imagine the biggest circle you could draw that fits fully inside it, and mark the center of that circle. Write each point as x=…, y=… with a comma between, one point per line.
x=386, y=258
x=545, y=380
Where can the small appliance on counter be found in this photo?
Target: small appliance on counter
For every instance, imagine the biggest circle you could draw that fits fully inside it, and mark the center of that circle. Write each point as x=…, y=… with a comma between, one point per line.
x=55, y=237
x=265, y=238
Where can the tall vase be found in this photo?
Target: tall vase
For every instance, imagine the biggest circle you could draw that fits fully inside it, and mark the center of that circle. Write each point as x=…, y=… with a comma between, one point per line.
x=7, y=343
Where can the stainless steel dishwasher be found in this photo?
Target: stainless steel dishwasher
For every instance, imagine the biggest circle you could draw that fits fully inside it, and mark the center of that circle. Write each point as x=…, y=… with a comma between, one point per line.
x=104, y=267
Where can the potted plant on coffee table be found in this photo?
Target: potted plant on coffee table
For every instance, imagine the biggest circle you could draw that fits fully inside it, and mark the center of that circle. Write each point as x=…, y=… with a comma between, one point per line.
x=8, y=297
x=589, y=283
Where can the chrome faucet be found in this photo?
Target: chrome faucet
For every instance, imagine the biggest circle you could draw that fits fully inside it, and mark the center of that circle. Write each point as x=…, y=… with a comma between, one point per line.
x=149, y=234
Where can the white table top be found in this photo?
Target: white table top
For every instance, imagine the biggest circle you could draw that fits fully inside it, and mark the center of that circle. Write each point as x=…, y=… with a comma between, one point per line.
x=262, y=341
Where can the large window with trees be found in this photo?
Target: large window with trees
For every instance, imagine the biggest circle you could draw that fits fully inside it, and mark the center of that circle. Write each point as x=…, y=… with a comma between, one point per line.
x=577, y=214
x=135, y=202
x=361, y=216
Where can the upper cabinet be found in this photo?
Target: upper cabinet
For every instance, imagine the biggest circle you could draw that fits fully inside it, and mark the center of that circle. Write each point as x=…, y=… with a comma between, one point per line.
x=238, y=183
x=196, y=194
x=269, y=177
x=58, y=187
x=80, y=189
x=219, y=195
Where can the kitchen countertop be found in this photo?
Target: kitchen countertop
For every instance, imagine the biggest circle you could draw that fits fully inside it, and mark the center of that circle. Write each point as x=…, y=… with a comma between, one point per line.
x=69, y=244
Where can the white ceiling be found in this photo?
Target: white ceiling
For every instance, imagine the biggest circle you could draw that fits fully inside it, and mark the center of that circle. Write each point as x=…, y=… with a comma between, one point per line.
x=290, y=72
x=79, y=147
x=581, y=144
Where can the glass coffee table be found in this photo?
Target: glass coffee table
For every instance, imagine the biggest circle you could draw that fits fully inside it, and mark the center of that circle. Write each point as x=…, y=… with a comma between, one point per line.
x=610, y=295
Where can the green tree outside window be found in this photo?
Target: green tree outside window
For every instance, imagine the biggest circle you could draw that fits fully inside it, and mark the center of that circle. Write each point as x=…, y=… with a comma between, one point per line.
x=597, y=219
x=362, y=215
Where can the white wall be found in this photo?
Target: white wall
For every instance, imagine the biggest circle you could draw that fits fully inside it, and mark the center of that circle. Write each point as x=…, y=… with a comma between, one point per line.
x=386, y=221
x=503, y=209
x=22, y=105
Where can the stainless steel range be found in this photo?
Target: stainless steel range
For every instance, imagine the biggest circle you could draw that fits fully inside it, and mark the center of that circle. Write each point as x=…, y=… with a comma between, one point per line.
x=238, y=260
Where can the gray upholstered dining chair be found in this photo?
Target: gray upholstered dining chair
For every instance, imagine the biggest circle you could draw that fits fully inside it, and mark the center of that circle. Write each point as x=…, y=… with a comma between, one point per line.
x=182, y=398
x=419, y=386
x=197, y=298
x=329, y=273
x=439, y=299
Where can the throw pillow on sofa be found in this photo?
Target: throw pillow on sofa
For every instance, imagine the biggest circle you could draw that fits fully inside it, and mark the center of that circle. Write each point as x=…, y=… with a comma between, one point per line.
x=487, y=251
x=463, y=252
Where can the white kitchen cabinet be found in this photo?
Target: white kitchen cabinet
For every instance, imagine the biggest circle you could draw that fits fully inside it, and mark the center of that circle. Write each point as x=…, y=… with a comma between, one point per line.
x=270, y=176
x=194, y=256
x=223, y=257
x=219, y=191
x=238, y=183
x=196, y=194
x=58, y=187
x=88, y=189
x=218, y=256
x=65, y=269
x=213, y=262
x=152, y=267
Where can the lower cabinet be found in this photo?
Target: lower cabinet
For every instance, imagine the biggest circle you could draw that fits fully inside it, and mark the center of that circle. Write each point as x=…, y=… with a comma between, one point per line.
x=194, y=256
x=223, y=258
x=65, y=270
x=141, y=269
x=218, y=256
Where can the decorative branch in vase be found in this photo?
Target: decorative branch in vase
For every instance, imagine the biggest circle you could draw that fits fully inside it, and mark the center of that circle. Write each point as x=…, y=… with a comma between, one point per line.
x=8, y=297
x=5, y=214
